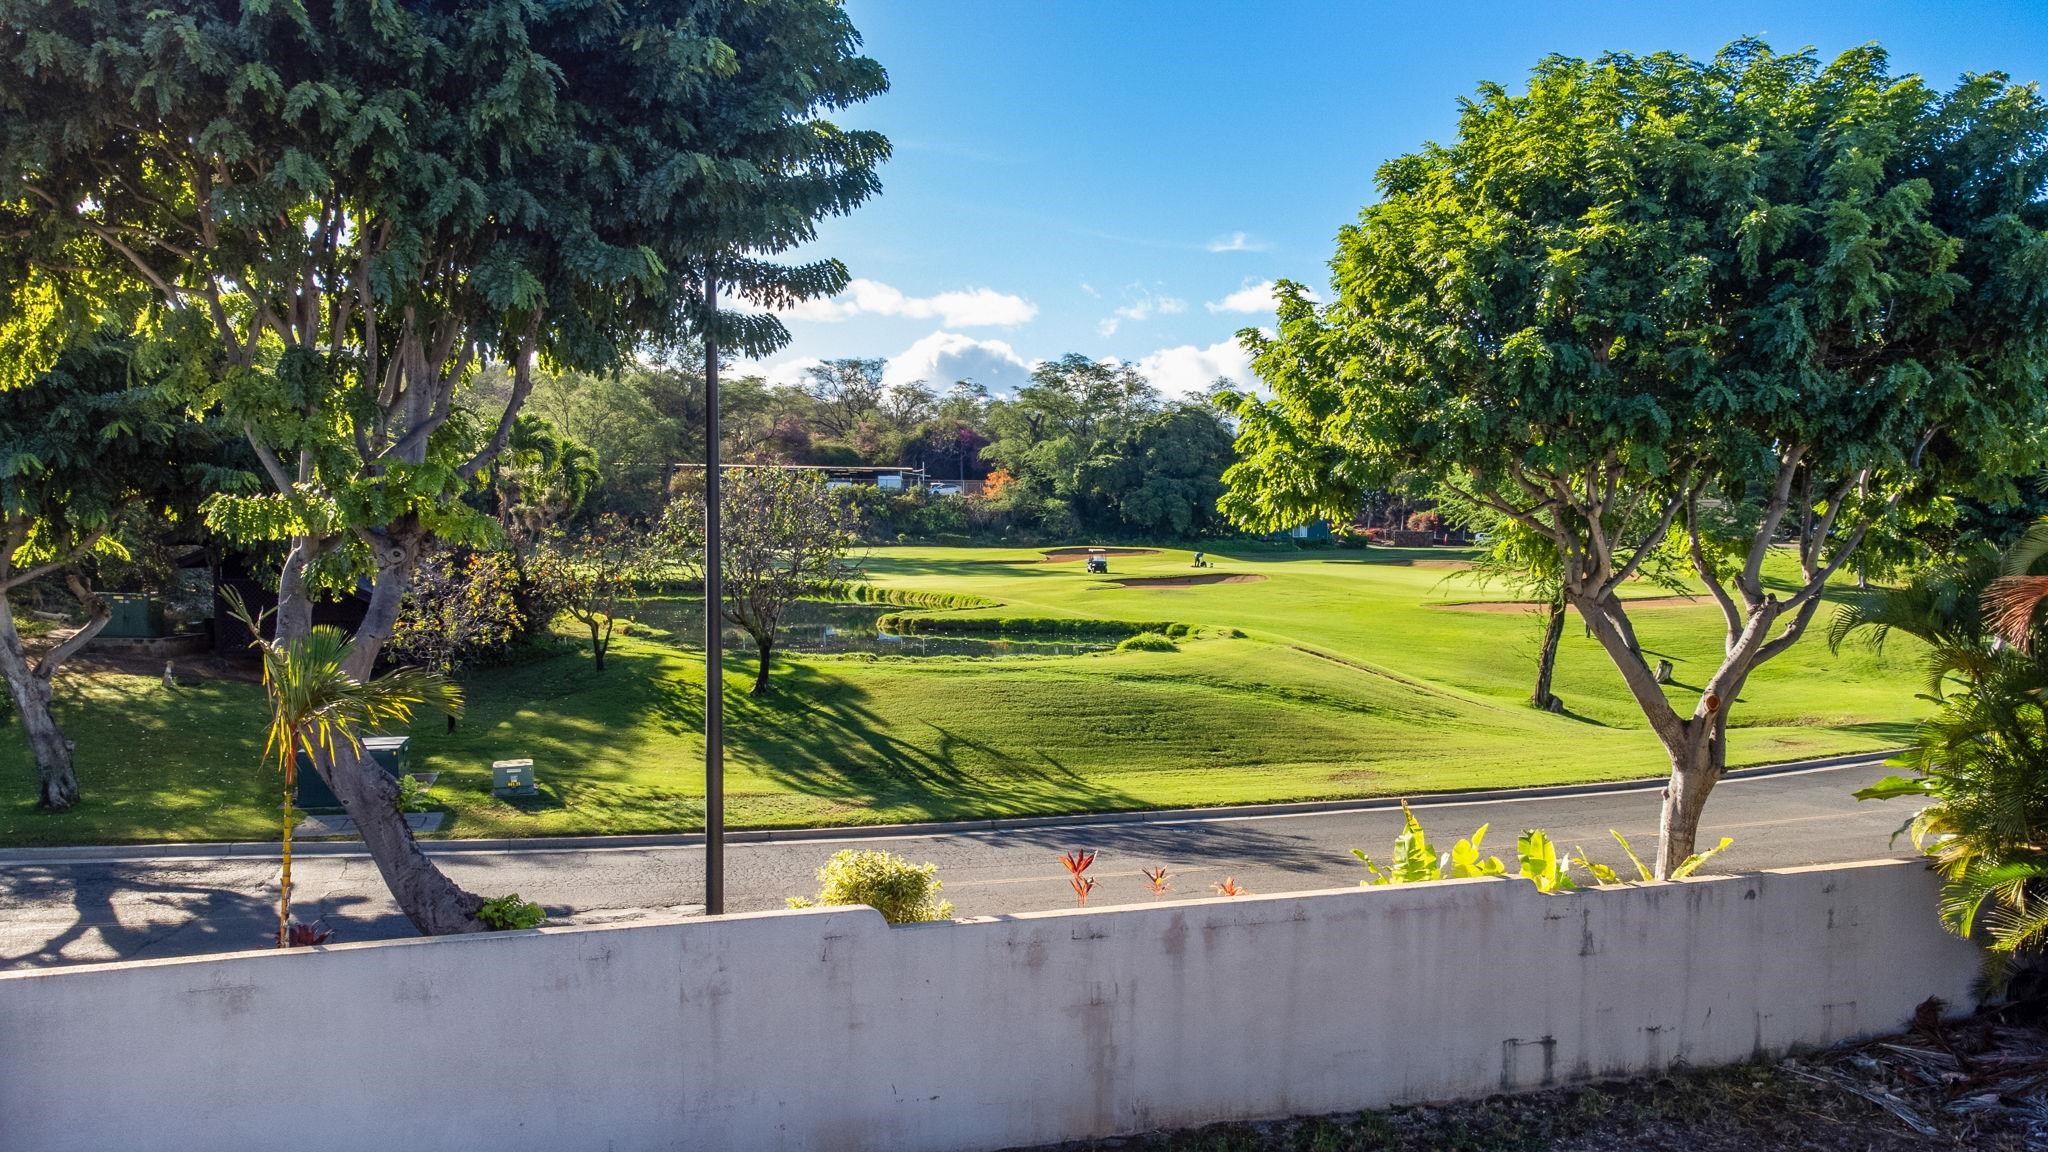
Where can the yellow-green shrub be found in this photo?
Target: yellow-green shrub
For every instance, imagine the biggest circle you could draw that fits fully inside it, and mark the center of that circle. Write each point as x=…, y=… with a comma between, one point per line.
x=904, y=893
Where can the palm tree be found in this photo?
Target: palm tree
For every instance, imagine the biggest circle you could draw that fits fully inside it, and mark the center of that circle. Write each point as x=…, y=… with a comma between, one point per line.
x=1981, y=761
x=315, y=705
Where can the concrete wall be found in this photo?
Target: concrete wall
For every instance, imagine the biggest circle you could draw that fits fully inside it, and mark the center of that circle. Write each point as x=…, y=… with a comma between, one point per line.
x=829, y=1030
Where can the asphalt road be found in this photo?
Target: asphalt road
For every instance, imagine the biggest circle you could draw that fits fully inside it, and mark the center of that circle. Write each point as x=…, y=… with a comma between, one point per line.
x=59, y=912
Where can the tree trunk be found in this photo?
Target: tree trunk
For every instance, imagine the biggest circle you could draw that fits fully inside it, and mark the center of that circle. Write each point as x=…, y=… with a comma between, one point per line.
x=767, y=649
x=30, y=689
x=56, y=783
x=435, y=904
x=1697, y=762
x=284, y=871
x=1546, y=659
x=1692, y=743
x=596, y=648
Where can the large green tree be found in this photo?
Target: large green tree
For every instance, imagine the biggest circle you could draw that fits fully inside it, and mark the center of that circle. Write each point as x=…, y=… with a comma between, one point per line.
x=88, y=449
x=347, y=210
x=1073, y=408
x=1758, y=301
x=1162, y=476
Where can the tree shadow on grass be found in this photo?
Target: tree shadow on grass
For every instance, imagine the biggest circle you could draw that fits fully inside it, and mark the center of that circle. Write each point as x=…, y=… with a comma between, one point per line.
x=965, y=567
x=1581, y=717
x=815, y=735
x=1897, y=733
x=153, y=765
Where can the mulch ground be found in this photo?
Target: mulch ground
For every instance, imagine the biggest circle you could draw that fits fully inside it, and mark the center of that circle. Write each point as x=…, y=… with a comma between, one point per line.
x=1980, y=1084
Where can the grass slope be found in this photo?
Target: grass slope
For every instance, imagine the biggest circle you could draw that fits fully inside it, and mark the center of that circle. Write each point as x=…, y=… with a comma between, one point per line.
x=1356, y=675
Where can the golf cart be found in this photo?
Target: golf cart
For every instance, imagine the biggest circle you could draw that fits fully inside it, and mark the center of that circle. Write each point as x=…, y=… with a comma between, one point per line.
x=1098, y=565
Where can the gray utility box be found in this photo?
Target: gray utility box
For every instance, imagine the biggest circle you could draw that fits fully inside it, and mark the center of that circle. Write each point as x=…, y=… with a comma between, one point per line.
x=133, y=617
x=392, y=753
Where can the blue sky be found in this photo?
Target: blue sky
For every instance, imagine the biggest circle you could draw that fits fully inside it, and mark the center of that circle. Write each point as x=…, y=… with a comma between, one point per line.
x=1121, y=179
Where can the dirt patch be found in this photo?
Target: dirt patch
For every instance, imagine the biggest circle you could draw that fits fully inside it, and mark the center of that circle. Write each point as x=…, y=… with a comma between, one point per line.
x=202, y=667
x=1062, y=555
x=1188, y=581
x=1521, y=606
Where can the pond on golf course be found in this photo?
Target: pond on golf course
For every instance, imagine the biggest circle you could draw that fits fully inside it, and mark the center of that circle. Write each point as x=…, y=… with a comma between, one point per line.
x=817, y=626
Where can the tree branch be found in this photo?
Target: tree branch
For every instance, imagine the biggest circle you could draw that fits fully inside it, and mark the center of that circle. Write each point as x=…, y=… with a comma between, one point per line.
x=1729, y=612
x=522, y=383
x=97, y=615
x=1600, y=614
x=1751, y=581
x=272, y=466
x=1653, y=538
x=64, y=559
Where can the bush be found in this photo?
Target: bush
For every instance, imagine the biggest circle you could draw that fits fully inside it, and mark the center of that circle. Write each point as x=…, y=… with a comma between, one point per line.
x=1148, y=642
x=467, y=609
x=1014, y=625
x=904, y=893
x=1425, y=522
x=864, y=593
x=507, y=913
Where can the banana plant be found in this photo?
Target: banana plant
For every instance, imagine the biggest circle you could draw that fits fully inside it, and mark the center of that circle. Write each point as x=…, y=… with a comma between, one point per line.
x=1602, y=874
x=1539, y=860
x=1542, y=864
x=1415, y=861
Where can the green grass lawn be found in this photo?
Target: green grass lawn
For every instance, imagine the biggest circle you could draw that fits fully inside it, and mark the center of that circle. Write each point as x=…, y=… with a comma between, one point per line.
x=1356, y=674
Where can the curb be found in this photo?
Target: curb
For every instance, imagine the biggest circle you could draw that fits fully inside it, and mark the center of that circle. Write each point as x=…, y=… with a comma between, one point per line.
x=114, y=854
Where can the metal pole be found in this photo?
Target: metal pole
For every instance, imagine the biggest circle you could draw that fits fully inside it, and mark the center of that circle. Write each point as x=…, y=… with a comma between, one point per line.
x=714, y=621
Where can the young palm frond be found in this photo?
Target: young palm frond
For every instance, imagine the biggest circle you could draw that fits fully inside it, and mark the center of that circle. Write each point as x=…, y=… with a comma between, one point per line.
x=2012, y=601
x=2010, y=604
x=2019, y=916
x=2027, y=552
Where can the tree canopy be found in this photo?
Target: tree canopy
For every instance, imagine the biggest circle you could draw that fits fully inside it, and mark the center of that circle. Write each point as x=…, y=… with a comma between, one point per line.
x=344, y=211
x=89, y=450
x=1747, y=298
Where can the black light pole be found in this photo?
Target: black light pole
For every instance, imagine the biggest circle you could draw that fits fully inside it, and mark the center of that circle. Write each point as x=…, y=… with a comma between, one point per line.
x=714, y=620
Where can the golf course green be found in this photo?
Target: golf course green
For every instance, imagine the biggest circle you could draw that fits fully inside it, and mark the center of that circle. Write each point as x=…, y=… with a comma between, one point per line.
x=1297, y=675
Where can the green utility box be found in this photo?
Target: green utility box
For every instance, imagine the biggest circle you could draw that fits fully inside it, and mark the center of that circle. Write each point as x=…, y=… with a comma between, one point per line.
x=392, y=753
x=135, y=617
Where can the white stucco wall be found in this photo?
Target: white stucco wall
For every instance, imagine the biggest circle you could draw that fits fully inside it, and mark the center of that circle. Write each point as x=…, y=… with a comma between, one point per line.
x=826, y=1029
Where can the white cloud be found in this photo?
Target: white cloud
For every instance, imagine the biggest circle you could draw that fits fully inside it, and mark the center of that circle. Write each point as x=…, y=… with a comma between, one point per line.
x=1252, y=298
x=787, y=373
x=1237, y=242
x=944, y=357
x=1188, y=370
x=971, y=308
x=1144, y=307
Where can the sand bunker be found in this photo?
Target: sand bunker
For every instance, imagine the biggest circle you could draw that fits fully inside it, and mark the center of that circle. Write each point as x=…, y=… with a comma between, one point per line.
x=1512, y=606
x=1188, y=581
x=1057, y=555
x=1406, y=562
